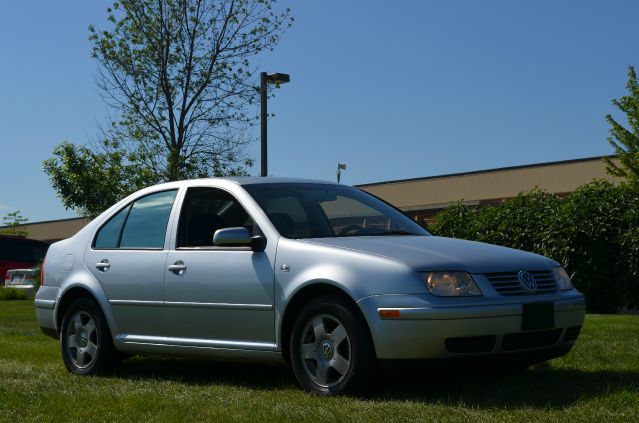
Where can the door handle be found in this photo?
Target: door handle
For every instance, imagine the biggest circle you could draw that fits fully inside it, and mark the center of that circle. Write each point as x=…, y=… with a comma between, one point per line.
x=103, y=265
x=178, y=267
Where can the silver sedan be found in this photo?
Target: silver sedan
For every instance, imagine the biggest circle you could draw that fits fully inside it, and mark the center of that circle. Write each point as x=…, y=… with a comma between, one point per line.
x=324, y=277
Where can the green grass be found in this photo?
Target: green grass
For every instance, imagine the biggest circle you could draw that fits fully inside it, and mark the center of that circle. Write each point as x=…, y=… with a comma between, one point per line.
x=597, y=381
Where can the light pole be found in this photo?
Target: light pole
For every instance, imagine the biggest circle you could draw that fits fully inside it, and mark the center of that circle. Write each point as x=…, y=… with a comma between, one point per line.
x=265, y=79
x=340, y=167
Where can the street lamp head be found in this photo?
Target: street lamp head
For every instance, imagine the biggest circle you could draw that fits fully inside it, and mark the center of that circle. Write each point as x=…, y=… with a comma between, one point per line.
x=278, y=78
x=340, y=167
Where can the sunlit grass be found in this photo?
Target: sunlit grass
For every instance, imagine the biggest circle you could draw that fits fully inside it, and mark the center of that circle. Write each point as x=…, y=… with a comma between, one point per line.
x=597, y=381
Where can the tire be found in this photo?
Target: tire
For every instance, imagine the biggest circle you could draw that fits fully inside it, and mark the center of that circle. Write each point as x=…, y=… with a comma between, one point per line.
x=331, y=349
x=85, y=340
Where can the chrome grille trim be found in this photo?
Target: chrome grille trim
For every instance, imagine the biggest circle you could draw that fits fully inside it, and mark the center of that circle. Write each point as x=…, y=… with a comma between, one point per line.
x=507, y=283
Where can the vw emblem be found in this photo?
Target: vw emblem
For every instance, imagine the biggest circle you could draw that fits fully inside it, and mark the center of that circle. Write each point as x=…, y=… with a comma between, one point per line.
x=327, y=350
x=527, y=281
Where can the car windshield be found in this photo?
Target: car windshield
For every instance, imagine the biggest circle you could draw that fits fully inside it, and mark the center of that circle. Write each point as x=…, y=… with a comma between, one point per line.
x=304, y=210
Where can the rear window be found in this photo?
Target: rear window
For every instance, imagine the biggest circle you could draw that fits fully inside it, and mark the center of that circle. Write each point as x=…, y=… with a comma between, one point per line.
x=24, y=251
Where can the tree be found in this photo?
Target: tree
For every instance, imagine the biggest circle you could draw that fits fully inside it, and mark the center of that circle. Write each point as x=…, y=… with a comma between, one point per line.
x=625, y=141
x=178, y=76
x=12, y=221
x=91, y=181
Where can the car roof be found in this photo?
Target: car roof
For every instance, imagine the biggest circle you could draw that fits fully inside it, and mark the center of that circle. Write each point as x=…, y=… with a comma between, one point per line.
x=240, y=180
x=250, y=180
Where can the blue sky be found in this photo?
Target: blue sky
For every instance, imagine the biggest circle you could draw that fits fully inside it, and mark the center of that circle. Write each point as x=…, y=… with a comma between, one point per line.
x=394, y=89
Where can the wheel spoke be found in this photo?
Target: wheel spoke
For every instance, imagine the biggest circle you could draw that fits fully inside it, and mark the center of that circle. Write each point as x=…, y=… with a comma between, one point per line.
x=91, y=349
x=339, y=334
x=81, y=357
x=90, y=327
x=318, y=328
x=308, y=351
x=72, y=341
x=77, y=322
x=321, y=376
x=340, y=364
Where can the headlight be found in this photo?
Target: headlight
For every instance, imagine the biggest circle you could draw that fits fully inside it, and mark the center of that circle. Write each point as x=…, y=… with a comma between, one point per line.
x=562, y=278
x=451, y=284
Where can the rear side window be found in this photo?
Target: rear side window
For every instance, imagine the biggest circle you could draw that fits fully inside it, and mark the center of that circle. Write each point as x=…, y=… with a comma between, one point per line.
x=109, y=234
x=140, y=225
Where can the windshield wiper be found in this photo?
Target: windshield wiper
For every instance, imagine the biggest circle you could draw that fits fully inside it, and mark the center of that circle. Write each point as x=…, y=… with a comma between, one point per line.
x=394, y=233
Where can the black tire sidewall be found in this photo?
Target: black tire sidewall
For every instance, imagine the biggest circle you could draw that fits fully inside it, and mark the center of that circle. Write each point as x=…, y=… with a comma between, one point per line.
x=105, y=359
x=360, y=376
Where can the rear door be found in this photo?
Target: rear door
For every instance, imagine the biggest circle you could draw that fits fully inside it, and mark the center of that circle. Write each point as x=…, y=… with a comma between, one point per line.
x=128, y=257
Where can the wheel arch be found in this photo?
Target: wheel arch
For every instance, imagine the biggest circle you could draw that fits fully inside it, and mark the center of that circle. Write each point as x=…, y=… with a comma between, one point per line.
x=73, y=293
x=303, y=297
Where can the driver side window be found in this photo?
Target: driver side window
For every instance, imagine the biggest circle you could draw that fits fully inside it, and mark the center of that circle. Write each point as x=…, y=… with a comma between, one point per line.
x=204, y=211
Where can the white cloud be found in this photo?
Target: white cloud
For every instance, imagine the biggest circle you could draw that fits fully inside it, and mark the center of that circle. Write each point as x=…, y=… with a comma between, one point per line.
x=4, y=207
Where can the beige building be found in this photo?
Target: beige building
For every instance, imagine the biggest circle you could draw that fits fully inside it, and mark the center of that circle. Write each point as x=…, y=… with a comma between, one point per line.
x=423, y=197
x=53, y=230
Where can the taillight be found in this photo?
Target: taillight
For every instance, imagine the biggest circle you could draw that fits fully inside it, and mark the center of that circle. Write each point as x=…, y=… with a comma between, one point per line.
x=42, y=272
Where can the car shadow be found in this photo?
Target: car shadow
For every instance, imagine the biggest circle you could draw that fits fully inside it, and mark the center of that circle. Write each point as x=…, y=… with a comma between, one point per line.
x=542, y=386
x=207, y=372
x=539, y=387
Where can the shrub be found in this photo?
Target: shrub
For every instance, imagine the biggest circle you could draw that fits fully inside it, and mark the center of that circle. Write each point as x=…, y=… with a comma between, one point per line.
x=594, y=232
x=12, y=294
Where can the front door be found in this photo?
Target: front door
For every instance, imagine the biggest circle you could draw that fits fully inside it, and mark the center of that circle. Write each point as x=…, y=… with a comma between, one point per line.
x=217, y=296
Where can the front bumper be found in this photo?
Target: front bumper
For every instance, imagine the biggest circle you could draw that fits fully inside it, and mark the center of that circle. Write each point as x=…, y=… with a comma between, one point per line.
x=444, y=329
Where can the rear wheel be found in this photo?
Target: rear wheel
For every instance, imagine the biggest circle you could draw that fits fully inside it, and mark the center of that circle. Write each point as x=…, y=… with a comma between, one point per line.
x=331, y=351
x=85, y=339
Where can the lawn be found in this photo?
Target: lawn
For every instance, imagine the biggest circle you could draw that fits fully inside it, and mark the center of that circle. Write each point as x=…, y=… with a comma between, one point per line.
x=597, y=381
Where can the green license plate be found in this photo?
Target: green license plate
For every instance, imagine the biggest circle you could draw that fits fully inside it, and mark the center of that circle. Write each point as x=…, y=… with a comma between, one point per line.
x=538, y=316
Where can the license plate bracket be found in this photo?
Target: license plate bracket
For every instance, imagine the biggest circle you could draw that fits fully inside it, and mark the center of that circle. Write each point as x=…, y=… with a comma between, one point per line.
x=538, y=316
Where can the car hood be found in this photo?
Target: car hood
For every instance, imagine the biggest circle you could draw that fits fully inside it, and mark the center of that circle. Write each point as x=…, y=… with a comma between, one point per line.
x=436, y=253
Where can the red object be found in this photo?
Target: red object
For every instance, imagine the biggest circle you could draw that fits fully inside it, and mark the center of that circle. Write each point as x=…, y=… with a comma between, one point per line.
x=20, y=253
x=42, y=272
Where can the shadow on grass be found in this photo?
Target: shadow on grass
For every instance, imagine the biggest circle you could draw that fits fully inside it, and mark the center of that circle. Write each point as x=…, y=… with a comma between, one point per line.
x=208, y=372
x=540, y=387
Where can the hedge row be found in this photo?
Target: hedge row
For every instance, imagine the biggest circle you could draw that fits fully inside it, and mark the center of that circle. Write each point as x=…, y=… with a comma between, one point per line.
x=594, y=233
x=7, y=294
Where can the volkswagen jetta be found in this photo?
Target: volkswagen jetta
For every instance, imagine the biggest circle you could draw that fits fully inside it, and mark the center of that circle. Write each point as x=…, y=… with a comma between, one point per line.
x=321, y=276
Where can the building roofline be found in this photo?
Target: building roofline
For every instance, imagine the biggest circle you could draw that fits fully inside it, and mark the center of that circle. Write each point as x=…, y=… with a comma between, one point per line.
x=44, y=221
x=475, y=172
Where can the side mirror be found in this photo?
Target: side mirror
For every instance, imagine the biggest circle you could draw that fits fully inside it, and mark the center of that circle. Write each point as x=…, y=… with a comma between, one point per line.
x=238, y=237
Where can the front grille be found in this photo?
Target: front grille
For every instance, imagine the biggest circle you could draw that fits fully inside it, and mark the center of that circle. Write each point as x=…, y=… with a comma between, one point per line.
x=530, y=340
x=572, y=333
x=471, y=344
x=507, y=283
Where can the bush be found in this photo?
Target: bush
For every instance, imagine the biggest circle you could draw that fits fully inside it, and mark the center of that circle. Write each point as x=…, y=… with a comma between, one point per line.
x=594, y=232
x=12, y=294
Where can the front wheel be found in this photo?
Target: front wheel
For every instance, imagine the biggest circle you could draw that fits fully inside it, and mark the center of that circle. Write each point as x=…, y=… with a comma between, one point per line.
x=331, y=351
x=85, y=339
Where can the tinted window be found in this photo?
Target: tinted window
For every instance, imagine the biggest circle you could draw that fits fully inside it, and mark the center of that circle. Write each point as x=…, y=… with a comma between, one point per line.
x=206, y=210
x=146, y=224
x=109, y=234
